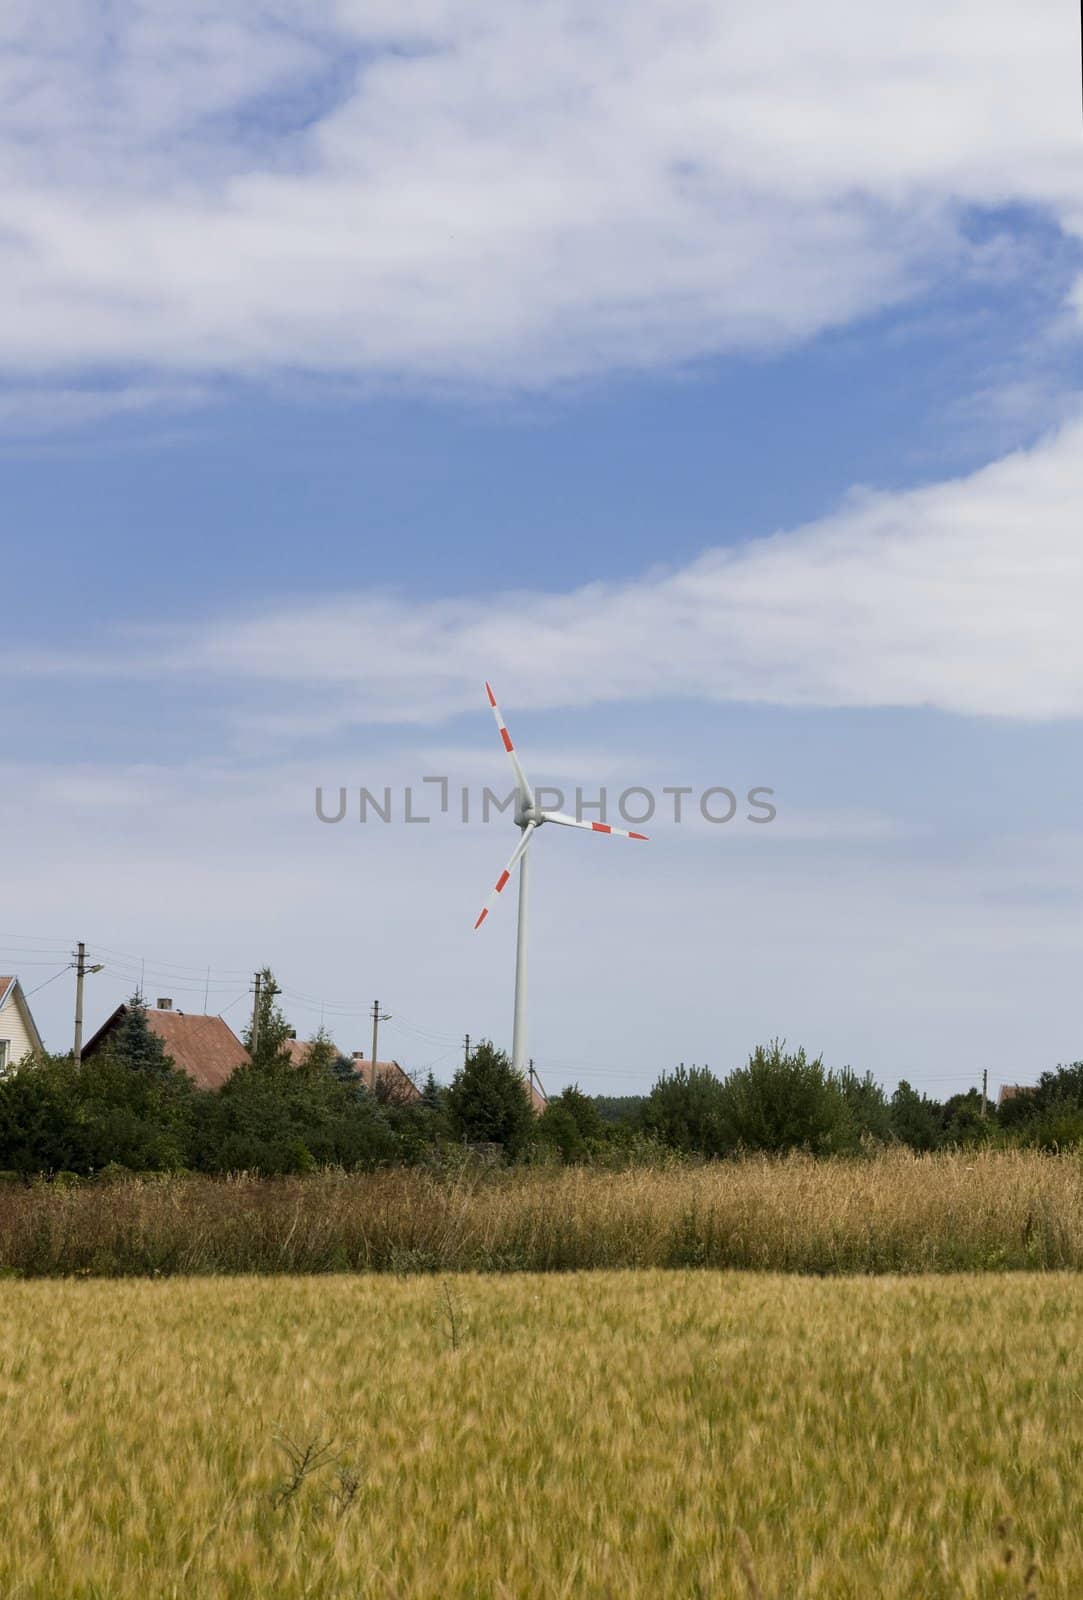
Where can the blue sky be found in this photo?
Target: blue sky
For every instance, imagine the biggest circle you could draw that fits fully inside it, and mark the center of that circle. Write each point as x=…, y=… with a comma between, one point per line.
x=737, y=437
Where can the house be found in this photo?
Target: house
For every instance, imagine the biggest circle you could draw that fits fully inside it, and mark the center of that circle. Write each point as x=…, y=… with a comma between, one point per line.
x=206, y=1048
x=1008, y=1091
x=18, y=1032
x=387, y=1080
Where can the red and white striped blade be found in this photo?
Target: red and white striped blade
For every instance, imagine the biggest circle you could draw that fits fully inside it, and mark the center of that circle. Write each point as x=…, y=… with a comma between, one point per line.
x=525, y=790
x=502, y=881
x=592, y=827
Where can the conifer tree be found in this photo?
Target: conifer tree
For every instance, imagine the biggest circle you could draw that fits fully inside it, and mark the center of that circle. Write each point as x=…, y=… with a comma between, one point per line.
x=274, y=1030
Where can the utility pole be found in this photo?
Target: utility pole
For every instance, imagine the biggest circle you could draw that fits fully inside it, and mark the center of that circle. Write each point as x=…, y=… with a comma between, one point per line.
x=81, y=970
x=536, y=1080
x=984, y=1092
x=466, y=1051
x=378, y=1016
x=80, y=974
x=255, y=1013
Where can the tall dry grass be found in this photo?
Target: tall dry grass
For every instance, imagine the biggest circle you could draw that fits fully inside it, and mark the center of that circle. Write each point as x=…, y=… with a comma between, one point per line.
x=602, y=1436
x=896, y=1213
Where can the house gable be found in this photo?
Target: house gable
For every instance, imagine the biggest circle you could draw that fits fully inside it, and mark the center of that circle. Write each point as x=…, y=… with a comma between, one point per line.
x=19, y=1036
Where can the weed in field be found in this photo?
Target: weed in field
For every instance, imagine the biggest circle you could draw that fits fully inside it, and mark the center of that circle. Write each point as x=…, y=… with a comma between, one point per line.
x=451, y=1307
x=747, y=1565
x=304, y=1460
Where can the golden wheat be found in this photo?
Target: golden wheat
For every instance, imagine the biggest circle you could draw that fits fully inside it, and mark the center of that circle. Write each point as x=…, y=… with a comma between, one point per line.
x=633, y=1435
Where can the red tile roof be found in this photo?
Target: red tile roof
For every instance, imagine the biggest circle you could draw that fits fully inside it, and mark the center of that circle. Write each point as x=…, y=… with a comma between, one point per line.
x=537, y=1099
x=388, y=1074
x=206, y=1048
x=1009, y=1091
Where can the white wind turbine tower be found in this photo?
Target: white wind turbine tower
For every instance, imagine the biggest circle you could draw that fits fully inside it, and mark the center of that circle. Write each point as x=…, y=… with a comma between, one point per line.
x=528, y=819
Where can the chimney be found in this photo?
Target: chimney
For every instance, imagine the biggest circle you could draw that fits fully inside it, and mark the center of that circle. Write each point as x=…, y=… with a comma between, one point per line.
x=164, y=1003
x=358, y=1055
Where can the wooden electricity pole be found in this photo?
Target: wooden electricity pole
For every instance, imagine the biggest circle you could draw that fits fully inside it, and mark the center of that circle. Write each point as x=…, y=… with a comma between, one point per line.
x=81, y=970
x=80, y=974
x=255, y=1013
x=378, y=1016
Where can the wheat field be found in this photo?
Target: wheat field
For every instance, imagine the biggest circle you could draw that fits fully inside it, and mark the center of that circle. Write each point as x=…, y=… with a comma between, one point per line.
x=620, y=1434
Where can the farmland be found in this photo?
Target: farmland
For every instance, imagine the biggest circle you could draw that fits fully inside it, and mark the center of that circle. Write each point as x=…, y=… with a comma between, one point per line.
x=624, y=1434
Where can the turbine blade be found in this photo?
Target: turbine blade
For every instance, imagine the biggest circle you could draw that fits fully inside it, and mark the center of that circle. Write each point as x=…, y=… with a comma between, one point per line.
x=501, y=882
x=592, y=827
x=526, y=792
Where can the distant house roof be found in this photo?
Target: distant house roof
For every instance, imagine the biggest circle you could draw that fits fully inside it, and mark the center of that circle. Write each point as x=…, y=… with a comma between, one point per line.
x=388, y=1074
x=538, y=1101
x=1008, y=1091
x=206, y=1048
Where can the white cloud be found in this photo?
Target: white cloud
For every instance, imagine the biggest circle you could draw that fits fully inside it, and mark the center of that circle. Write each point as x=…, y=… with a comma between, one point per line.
x=43, y=409
x=964, y=596
x=514, y=193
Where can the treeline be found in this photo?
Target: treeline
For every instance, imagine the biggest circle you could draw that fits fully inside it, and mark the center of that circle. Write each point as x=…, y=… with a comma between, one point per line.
x=129, y=1109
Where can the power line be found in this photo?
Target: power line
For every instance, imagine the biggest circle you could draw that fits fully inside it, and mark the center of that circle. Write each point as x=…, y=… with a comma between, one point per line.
x=427, y=1036
x=55, y=976
x=164, y=965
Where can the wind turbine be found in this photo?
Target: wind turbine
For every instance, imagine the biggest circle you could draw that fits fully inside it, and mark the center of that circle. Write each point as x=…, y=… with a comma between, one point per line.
x=528, y=819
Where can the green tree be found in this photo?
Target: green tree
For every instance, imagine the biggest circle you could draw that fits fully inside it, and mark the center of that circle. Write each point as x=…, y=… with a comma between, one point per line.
x=433, y=1110
x=1059, y=1090
x=432, y=1093
x=322, y=1054
x=275, y=1118
x=783, y=1101
x=684, y=1111
x=55, y=1116
x=1018, y=1111
x=915, y=1119
x=962, y=1121
x=571, y=1124
x=582, y=1110
x=138, y=1117
x=487, y=1101
x=866, y=1104
x=274, y=1030
x=1052, y=1116
x=135, y=1045
x=557, y=1131
x=615, y=1109
x=40, y=1129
